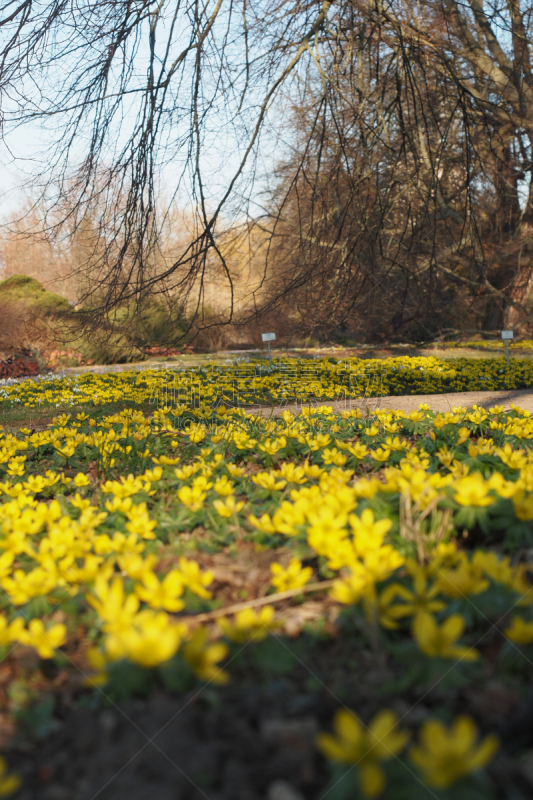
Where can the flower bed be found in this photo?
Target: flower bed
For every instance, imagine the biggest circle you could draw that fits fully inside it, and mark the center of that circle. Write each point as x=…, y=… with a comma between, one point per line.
x=411, y=531
x=290, y=380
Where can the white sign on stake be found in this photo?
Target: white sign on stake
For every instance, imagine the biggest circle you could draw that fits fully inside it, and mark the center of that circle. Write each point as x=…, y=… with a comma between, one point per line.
x=506, y=335
x=269, y=337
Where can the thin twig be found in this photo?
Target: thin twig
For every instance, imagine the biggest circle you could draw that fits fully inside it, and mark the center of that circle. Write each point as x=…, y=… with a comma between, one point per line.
x=259, y=601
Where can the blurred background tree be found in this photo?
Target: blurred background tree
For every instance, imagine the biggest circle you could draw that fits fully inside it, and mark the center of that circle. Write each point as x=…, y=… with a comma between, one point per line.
x=356, y=170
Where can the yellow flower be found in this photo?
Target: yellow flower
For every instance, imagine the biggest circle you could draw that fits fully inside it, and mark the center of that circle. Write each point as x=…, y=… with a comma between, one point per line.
x=266, y=480
x=135, y=565
x=326, y=532
x=111, y=603
x=368, y=534
x=415, y=416
x=444, y=456
x=421, y=598
x=292, y=473
x=249, y=625
x=287, y=517
x=229, y=506
x=192, y=499
x=195, y=434
x=373, y=430
x=445, y=755
x=162, y=594
x=194, y=578
x=223, y=486
x=8, y=783
x=462, y=581
x=349, y=591
x=6, y=562
x=272, y=447
x=353, y=744
x=16, y=468
x=126, y=487
x=165, y=460
x=321, y=440
x=234, y=470
x=44, y=641
x=498, y=569
x=81, y=480
x=358, y=450
x=139, y=523
x=440, y=642
x=12, y=633
x=500, y=486
x=203, y=657
x=381, y=454
x=294, y=577
x=472, y=490
x=264, y=524
x=381, y=563
x=98, y=662
x=464, y=434
x=35, y=483
x=445, y=554
x=122, y=504
x=378, y=607
x=523, y=505
x=187, y=471
x=25, y=585
x=516, y=459
x=333, y=457
x=520, y=631
x=150, y=639
x=153, y=475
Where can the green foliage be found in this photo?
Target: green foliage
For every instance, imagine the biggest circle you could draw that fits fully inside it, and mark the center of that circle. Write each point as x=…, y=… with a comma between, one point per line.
x=33, y=294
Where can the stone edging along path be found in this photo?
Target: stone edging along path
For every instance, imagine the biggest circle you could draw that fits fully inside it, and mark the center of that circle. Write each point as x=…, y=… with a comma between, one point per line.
x=523, y=398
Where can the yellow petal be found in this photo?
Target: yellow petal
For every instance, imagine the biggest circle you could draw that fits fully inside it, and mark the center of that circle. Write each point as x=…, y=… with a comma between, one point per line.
x=464, y=653
x=336, y=750
x=453, y=627
x=382, y=730
x=484, y=752
x=424, y=627
x=434, y=736
x=465, y=732
x=348, y=726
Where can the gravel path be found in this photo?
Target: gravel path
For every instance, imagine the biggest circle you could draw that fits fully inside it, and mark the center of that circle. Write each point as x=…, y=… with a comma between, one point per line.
x=437, y=402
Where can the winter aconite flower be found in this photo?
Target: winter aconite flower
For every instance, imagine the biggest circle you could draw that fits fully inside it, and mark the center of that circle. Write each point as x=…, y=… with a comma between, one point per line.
x=353, y=743
x=440, y=641
x=44, y=641
x=422, y=597
x=161, y=594
x=249, y=625
x=228, y=507
x=472, y=490
x=519, y=631
x=445, y=755
x=150, y=639
x=294, y=577
x=203, y=657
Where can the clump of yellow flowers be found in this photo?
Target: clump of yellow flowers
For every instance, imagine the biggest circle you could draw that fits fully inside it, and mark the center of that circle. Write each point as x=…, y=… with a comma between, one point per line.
x=442, y=757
